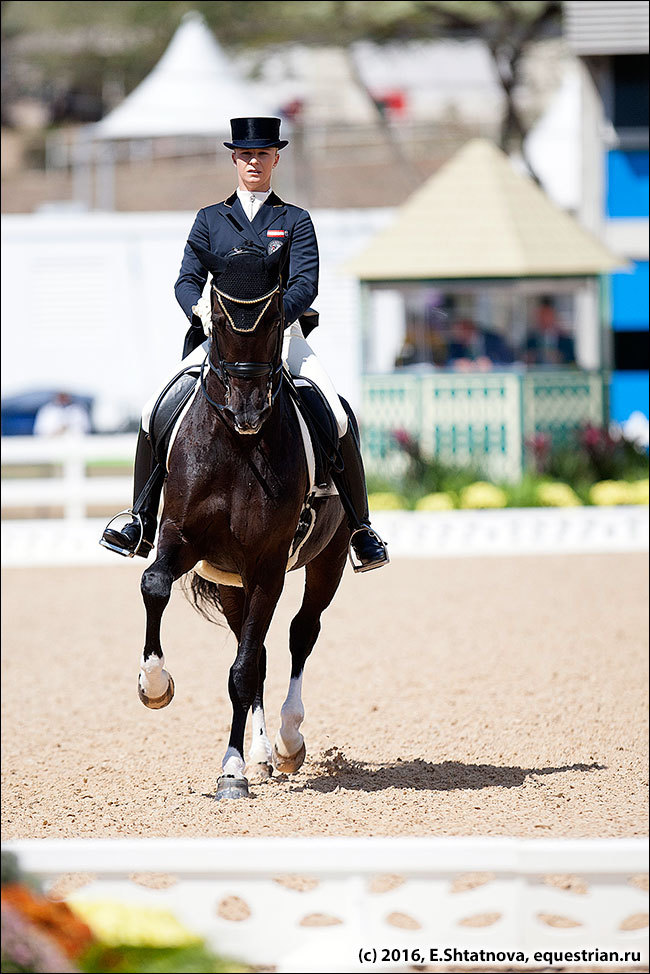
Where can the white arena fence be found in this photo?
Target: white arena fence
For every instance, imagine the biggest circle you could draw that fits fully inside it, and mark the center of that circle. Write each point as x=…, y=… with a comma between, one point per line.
x=350, y=904
x=69, y=486
x=72, y=538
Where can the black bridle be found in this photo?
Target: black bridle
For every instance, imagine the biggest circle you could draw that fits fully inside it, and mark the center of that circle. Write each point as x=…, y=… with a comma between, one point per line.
x=244, y=370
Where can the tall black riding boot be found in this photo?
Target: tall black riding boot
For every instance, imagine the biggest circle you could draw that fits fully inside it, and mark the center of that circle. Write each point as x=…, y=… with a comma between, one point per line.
x=351, y=484
x=137, y=537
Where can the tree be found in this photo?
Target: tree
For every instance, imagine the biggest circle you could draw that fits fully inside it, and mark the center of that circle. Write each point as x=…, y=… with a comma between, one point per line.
x=507, y=27
x=83, y=45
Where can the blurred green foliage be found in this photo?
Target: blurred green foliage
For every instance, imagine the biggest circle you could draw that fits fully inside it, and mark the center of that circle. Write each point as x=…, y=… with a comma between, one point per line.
x=193, y=959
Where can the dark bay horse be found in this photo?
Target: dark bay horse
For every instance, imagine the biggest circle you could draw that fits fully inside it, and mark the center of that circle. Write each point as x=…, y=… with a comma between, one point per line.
x=237, y=480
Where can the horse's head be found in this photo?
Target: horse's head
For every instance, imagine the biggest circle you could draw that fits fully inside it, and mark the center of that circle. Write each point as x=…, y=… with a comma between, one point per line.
x=246, y=342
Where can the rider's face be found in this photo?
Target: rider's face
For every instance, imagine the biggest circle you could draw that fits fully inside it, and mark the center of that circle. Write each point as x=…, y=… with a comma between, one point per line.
x=254, y=168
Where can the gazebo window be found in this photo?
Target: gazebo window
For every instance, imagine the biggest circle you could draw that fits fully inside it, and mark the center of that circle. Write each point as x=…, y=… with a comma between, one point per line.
x=478, y=326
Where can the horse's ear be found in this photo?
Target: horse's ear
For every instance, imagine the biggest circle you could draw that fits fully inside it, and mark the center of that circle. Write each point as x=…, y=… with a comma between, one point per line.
x=273, y=260
x=212, y=262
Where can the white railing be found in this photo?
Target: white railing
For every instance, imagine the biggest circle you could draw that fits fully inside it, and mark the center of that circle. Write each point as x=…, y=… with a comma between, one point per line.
x=73, y=538
x=346, y=904
x=69, y=486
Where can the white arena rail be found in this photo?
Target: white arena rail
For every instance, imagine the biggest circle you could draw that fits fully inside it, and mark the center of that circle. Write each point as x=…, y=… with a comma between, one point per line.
x=72, y=489
x=311, y=905
x=72, y=539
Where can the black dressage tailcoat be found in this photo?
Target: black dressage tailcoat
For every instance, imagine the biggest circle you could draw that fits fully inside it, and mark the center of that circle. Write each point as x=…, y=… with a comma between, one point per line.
x=223, y=226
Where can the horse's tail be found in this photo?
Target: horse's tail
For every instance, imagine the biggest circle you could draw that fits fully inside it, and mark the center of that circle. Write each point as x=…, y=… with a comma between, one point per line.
x=204, y=596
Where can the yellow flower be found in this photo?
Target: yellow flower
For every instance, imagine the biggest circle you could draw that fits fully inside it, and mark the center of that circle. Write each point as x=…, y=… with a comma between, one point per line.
x=482, y=494
x=611, y=492
x=639, y=491
x=557, y=495
x=435, y=502
x=137, y=926
x=386, y=501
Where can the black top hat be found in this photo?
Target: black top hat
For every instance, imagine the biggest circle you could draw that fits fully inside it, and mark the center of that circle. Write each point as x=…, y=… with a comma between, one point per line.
x=255, y=133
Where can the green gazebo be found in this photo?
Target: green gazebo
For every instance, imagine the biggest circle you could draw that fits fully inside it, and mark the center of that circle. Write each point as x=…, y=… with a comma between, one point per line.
x=480, y=241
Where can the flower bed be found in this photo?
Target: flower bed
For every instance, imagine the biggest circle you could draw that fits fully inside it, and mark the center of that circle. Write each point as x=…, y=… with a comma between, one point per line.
x=40, y=935
x=598, y=469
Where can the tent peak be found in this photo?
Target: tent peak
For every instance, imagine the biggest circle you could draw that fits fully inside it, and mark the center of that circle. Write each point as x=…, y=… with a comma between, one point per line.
x=194, y=89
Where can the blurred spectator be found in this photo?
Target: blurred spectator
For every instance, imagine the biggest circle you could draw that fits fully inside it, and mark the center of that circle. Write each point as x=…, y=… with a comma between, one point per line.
x=61, y=415
x=548, y=343
x=471, y=347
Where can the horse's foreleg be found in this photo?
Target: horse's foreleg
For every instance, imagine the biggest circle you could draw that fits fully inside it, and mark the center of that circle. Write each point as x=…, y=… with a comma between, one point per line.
x=259, y=766
x=260, y=761
x=323, y=576
x=244, y=679
x=155, y=685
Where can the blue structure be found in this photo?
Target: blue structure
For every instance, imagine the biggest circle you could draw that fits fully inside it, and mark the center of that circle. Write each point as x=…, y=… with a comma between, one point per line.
x=627, y=199
x=612, y=41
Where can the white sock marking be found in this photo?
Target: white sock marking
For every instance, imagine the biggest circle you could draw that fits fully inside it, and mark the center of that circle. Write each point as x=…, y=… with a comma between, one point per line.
x=260, y=751
x=289, y=739
x=154, y=679
x=233, y=763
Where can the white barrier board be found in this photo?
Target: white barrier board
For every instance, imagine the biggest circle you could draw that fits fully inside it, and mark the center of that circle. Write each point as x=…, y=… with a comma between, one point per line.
x=534, y=531
x=344, y=904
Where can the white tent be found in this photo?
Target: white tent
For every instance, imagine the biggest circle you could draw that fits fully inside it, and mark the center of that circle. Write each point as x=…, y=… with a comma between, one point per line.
x=193, y=90
x=191, y=94
x=553, y=145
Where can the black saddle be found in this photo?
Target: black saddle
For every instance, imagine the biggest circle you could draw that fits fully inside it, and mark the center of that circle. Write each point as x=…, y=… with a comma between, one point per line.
x=169, y=405
x=321, y=423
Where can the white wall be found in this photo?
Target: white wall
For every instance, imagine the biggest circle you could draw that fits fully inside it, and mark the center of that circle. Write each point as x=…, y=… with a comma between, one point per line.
x=88, y=301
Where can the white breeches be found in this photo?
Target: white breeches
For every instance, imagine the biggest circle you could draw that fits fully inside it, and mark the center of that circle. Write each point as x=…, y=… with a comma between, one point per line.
x=299, y=359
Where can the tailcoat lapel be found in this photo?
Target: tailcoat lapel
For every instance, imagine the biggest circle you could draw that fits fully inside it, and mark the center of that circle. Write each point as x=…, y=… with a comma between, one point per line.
x=271, y=210
x=236, y=219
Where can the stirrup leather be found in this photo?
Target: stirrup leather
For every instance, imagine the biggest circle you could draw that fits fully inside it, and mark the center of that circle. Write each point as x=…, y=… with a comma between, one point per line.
x=113, y=547
x=359, y=566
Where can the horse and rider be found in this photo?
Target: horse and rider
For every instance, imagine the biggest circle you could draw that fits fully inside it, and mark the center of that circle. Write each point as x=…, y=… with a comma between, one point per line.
x=254, y=218
x=248, y=494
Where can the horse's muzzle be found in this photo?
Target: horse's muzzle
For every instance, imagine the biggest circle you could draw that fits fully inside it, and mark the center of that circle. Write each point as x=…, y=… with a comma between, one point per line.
x=248, y=422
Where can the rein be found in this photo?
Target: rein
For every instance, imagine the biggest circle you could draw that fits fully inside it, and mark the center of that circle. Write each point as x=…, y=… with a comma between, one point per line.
x=224, y=370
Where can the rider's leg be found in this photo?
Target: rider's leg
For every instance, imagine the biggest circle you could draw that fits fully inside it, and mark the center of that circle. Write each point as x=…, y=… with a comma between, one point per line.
x=137, y=538
x=146, y=472
x=351, y=482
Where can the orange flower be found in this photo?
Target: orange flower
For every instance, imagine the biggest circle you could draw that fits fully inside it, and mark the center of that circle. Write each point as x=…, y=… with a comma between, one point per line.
x=55, y=919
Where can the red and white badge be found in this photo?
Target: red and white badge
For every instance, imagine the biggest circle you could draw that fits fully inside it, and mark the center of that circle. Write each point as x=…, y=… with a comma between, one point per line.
x=275, y=233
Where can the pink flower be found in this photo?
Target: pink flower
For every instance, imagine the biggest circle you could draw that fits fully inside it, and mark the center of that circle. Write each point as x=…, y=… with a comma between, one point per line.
x=403, y=438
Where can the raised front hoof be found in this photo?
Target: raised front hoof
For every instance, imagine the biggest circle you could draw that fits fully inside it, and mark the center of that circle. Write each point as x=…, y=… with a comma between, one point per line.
x=259, y=772
x=157, y=703
x=287, y=765
x=230, y=787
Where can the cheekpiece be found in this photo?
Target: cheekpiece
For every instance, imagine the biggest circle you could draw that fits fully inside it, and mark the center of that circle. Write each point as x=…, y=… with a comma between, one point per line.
x=255, y=133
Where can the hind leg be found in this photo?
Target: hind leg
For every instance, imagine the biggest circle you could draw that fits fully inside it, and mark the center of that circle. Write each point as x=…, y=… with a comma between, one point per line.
x=259, y=766
x=322, y=578
x=155, y=685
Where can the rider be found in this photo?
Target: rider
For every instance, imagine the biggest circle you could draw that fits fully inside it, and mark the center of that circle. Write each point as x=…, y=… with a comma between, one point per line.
x=254, y=215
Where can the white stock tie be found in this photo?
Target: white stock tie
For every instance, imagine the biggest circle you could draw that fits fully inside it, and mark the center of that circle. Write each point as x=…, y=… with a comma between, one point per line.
x=252, y=207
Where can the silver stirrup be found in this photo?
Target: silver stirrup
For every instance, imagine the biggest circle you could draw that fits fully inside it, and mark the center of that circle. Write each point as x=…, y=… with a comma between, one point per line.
x=360, y=567
x=114, y=547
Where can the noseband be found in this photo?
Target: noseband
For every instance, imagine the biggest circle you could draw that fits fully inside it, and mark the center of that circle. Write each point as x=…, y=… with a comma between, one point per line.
x=244, y=370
